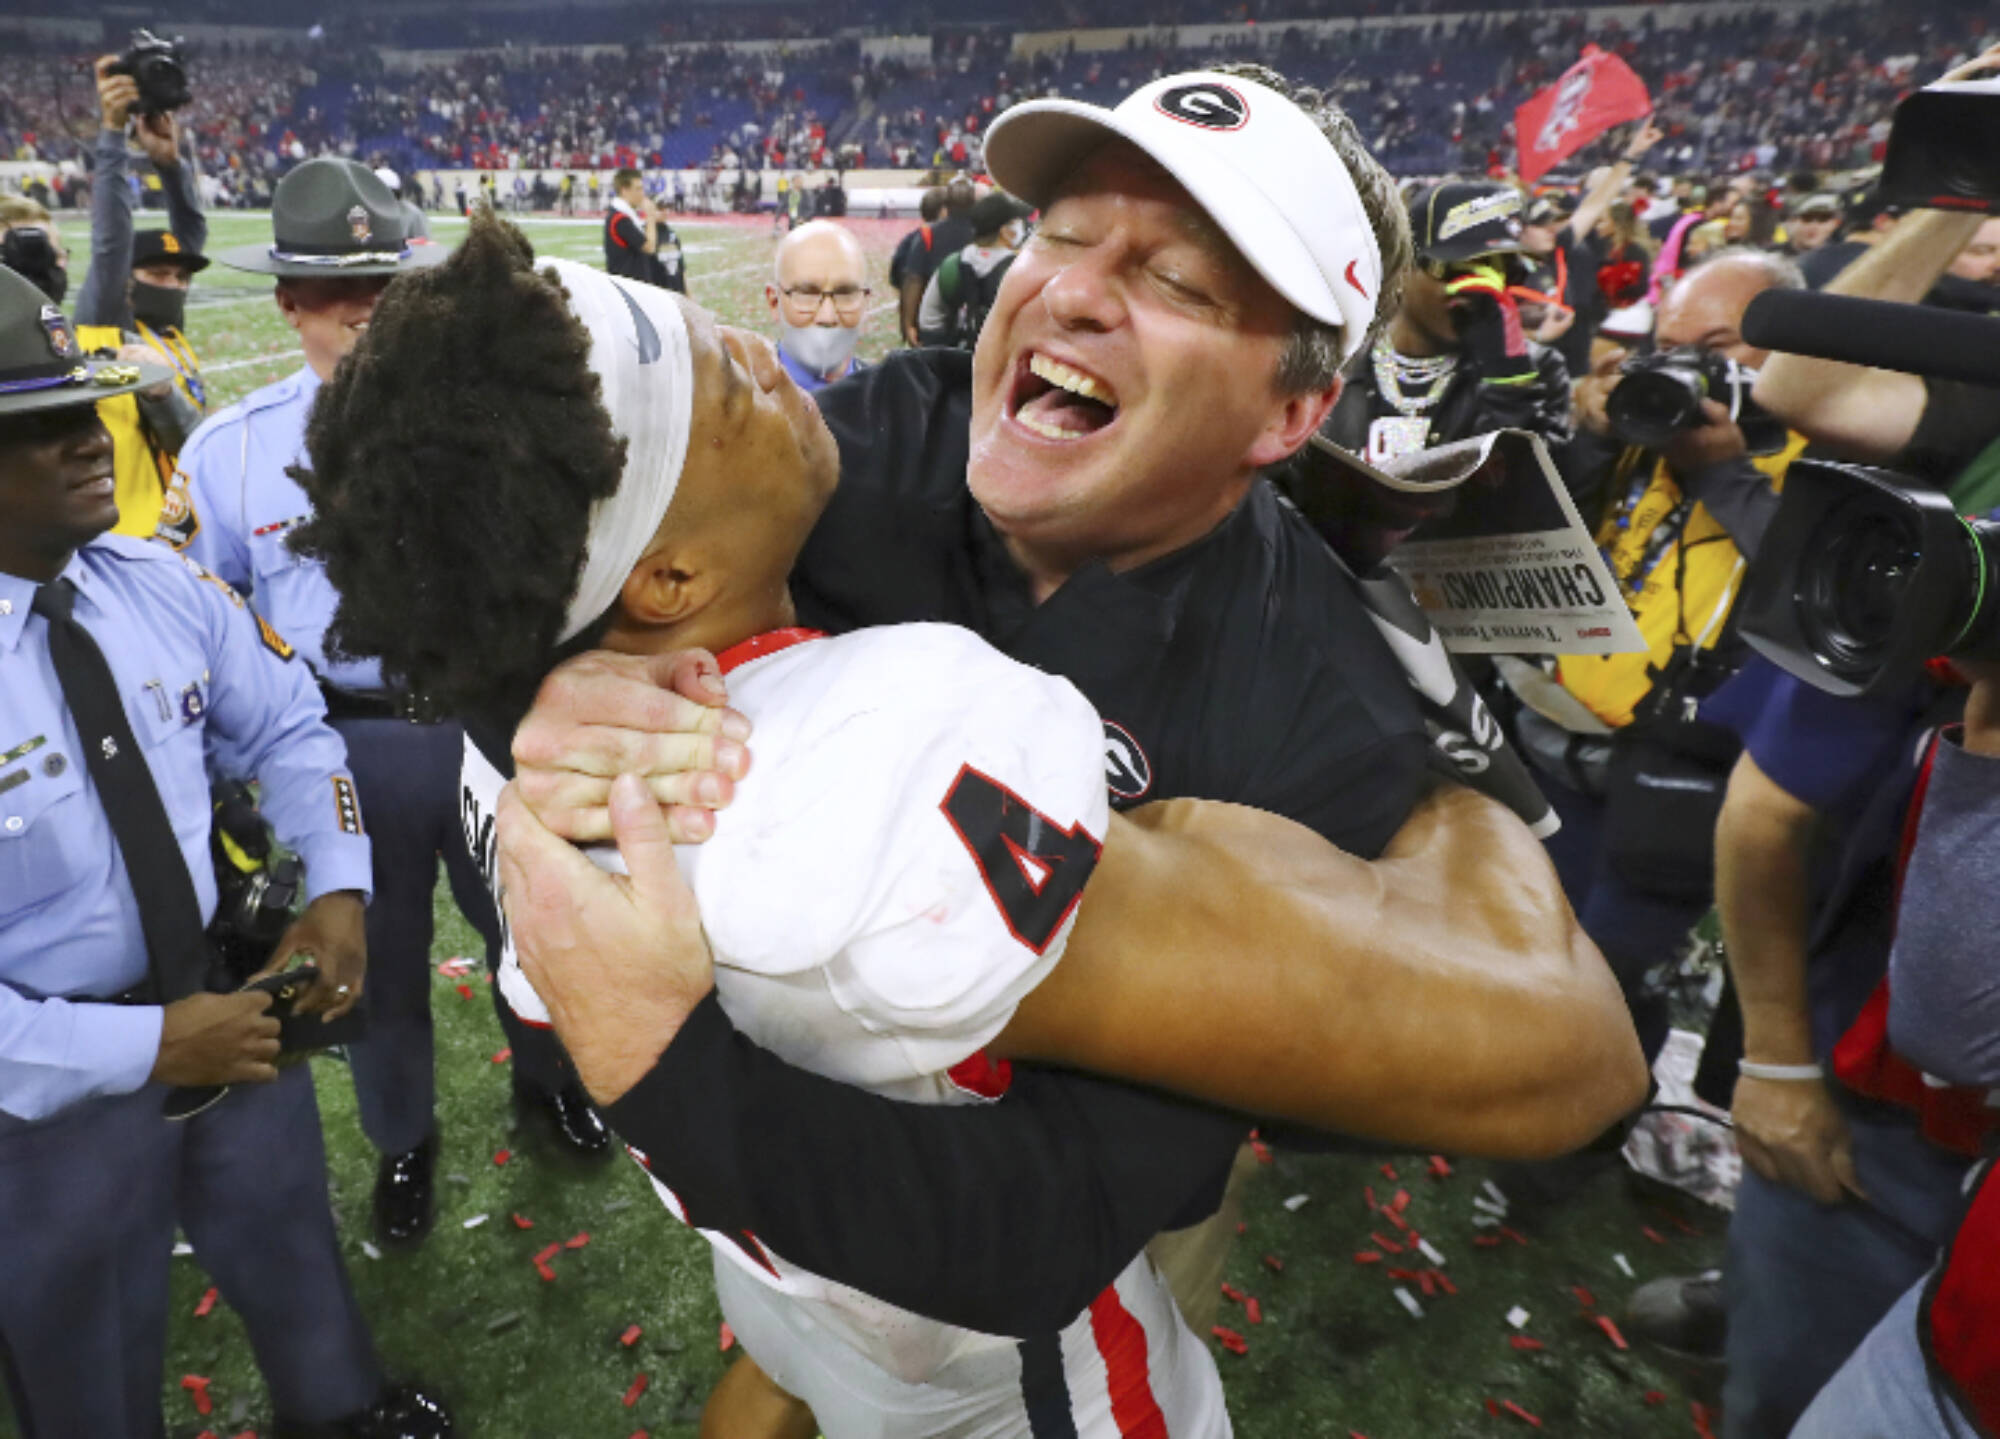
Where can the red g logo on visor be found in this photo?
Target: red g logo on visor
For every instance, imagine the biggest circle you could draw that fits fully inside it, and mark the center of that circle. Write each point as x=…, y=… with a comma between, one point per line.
x=1208, y=106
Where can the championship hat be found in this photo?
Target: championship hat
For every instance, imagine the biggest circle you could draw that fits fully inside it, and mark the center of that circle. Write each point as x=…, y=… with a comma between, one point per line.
x=1252, y=159
x=164, y=247
x=1461, y=219
x=43, y=367
x=332, y=217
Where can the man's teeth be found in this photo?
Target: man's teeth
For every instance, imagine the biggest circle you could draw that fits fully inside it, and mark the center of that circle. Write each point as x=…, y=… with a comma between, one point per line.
x=1048, y=431
x=1075, y=381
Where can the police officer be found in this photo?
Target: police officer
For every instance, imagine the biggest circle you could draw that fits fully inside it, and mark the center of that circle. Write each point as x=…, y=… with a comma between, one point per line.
x=339, y=237
x=120, y=666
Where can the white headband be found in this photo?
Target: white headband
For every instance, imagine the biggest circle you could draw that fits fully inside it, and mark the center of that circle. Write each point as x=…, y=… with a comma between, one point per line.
x=640, y=353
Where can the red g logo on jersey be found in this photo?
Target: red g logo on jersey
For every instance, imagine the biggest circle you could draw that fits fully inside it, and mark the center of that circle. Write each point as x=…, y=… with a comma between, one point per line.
x=1127, y=772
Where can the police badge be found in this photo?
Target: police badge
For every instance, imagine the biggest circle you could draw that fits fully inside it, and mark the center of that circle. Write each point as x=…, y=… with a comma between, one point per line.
x=62, y=339
x=357, y=222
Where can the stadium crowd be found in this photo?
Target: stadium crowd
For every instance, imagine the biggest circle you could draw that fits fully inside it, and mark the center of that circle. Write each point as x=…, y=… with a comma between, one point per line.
x=1042, y=573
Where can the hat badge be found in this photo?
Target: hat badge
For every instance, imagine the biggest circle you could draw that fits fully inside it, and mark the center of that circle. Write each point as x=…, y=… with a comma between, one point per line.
x=62, y=341
x=358, y=223
x=170, y=243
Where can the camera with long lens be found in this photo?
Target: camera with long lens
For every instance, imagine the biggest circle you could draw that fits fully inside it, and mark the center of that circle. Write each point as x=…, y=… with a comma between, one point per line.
x=1660, y=395
x=157, y=67
x=1863, y=577
x=1944, y=149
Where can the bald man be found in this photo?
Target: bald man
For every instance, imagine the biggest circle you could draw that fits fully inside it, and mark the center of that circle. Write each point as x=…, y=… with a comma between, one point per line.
x=819, y=297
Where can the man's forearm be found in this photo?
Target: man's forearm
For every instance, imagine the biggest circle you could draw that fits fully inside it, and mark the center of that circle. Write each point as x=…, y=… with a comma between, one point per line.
x=184, y=213
x=1441, y=997
x=102, y=300
x=1760, y=891
x=1871, y=413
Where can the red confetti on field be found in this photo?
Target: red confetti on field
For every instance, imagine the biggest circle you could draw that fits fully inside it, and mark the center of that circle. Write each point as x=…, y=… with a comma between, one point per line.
x=1389, y=1172
x=726, y=1339
x=1389, y=1245
x=1427, y=1284
x=197, y=1385
x=576, y=1241
x=1439, y=1169
x=630, y=1336
x=1655, y=1398
x=1273, y=1263
x=1698, y=1412
x=1444, y=1281
x=547, y=1254
x=1514, y=1234
x=1252, y=1310
x=1241, y=1229
x=1583, y=1296
x=1678, y=1222
x=548, y=1274
x=1603, y=1321
x=638, y=1388
x=1488, y=1241
x=464, y=991
x=521, y=1221
x=202, y=1309
x=1368, y=1197
x=1519, y=1413
x=502, y=1156
x=1401, y=1201
x=1232, y=1341
x=1524, y=1343
x=1395, y=1217
x=1367, y=1256
x=1259, y=1148
x=501, y=1056
x=1652, y=1234
x=1232, y=1293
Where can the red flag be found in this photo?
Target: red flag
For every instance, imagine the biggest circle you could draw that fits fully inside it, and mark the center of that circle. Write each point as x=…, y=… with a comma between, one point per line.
x=1594, y=94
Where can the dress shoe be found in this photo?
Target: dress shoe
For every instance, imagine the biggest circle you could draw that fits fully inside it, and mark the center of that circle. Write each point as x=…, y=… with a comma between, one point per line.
x=1683, y=1313
x=406, y=1195
x=565, y=1119
x=403, y=1412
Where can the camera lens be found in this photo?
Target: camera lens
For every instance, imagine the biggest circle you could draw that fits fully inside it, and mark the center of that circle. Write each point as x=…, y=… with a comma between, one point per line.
x=1650, y=406
x=1859, y=564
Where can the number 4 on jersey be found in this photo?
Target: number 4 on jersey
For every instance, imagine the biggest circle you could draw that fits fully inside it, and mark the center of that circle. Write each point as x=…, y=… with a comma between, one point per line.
x=1034, y=870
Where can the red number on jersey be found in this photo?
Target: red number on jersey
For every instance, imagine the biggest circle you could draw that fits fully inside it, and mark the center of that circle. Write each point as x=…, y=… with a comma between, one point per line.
x=1034, y=870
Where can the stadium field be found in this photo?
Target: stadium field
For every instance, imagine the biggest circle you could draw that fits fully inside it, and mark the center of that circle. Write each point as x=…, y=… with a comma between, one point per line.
x=1335, y=1353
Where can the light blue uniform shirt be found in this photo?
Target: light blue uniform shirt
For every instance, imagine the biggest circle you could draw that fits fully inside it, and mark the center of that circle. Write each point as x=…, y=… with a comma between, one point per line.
x=203, y=687
x=246, y=505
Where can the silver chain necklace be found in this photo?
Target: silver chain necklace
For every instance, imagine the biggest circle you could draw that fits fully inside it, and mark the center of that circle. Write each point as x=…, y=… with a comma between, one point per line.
x=1394, y=370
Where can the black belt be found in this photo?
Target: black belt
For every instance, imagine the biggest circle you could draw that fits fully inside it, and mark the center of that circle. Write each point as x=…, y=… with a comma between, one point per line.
x=347, y=705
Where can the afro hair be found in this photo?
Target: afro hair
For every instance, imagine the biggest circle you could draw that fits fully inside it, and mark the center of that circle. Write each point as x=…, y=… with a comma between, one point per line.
x=452, y=462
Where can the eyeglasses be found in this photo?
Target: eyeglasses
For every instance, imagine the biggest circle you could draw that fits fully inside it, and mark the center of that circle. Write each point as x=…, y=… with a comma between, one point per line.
x=806, y=299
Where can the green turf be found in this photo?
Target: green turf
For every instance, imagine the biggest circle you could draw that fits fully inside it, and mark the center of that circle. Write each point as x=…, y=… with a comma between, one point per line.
x=526, y=1359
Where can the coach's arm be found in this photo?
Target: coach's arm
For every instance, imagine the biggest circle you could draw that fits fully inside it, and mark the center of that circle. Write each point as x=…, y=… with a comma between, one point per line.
x=1442, y=996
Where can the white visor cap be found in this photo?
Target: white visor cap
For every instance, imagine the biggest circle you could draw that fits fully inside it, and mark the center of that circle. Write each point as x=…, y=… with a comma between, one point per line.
x=1255, y=163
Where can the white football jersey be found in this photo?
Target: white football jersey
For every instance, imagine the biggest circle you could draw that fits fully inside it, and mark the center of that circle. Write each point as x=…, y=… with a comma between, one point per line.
x=900, y=867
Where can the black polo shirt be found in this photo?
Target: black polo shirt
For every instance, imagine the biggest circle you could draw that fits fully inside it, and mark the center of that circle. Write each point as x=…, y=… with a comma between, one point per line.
x=1242, y=668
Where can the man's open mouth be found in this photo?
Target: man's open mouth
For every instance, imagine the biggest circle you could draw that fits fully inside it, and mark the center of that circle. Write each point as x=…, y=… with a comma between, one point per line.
x=1058, y=401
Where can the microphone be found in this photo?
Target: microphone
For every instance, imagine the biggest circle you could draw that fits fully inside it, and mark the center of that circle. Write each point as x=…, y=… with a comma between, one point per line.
x=1915, y=339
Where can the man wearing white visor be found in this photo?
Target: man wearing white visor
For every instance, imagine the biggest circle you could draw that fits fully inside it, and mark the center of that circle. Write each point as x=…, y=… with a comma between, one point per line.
x=1084, y=493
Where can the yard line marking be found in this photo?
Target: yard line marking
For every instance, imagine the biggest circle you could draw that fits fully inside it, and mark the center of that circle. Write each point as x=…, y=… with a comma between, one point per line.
x=253, y=360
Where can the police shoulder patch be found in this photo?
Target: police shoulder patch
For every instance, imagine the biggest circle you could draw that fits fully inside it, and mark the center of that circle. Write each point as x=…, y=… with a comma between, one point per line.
x=346, y=806
x=208, y=576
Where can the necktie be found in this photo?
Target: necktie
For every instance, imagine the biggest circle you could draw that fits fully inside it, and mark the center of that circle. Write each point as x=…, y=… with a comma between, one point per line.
x=169, y=911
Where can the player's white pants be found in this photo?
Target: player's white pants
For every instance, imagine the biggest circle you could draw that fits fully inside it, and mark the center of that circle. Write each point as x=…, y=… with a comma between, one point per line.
x=1128, y=1368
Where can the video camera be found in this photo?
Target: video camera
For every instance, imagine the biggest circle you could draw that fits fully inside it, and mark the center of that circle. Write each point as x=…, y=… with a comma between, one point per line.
x=156, y=65
x=258, y=887
x=1660, y=395
x=1863, y=575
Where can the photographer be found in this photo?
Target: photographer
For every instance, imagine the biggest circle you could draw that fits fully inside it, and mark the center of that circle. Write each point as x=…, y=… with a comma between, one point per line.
x=1930, y=1367
x=134, y=298
x=1934, y=427
x=1637, y=785
x=1454, y=361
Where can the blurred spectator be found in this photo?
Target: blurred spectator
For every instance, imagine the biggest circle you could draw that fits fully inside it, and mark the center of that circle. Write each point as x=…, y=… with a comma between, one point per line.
x=961, y=290
x=951, y=233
